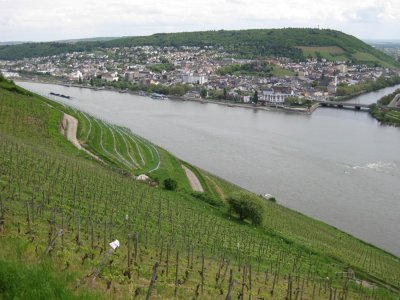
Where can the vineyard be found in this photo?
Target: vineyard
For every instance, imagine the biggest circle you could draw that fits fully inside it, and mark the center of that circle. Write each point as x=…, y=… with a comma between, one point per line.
x=61, y=207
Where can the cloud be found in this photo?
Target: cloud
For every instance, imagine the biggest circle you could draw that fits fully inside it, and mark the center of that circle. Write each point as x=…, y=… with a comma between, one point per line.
x=56, y=19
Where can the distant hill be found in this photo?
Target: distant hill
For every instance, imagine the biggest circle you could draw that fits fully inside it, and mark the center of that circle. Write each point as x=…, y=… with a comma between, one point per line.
x=12, y=43
x=95, y=39
x=295, y=43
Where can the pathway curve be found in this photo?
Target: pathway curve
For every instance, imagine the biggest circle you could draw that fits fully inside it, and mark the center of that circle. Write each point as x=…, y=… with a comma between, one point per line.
x=69, y=127
x=193, y=180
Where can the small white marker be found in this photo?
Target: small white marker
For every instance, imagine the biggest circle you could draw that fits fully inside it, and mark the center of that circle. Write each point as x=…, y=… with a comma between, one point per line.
x=114, y=244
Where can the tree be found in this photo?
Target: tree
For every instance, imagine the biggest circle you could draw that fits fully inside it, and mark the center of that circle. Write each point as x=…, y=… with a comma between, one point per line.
x=225, y=94
x=247, y=206
x=203, y=93
x=170, y=184
x=255, y=97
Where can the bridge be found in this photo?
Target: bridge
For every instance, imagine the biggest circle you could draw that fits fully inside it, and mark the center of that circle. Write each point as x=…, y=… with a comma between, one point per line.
x=344, y=104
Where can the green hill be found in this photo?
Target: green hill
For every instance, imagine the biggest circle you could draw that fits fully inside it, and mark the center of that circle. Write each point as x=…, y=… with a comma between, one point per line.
x=295, y=43
x=60, y=208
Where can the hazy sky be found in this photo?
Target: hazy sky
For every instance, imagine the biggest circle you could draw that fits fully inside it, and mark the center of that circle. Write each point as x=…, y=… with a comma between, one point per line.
x=43, y=20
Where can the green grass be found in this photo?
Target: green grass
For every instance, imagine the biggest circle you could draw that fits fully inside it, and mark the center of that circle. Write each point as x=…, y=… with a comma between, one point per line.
x=332, y=53
x=45, y=180
x=19, y=280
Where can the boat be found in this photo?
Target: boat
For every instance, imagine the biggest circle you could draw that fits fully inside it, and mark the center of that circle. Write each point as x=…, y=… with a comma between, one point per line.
x=141, y=93
x=60, y=95
x=158, y=96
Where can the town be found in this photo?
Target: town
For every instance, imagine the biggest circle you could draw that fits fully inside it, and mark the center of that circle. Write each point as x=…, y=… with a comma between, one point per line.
x=202, y=73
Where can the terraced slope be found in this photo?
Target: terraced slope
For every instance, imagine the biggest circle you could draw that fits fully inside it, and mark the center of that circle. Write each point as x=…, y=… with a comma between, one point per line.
x=61, y=208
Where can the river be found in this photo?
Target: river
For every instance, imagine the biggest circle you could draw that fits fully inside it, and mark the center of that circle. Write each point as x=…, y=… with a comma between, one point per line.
x=336, y=165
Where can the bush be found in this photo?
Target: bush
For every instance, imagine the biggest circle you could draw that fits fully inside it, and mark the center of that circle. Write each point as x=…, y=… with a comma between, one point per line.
x=206, y=197
x=247, y=207
x=170, y=184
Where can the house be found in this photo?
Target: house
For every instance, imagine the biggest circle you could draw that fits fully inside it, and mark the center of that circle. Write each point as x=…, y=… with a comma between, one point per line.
x=275, y=95
x=194, y=78
x=246, y=99
x=110, y=77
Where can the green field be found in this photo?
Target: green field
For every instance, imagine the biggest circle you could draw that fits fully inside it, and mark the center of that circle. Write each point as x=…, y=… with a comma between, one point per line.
x=59, y=209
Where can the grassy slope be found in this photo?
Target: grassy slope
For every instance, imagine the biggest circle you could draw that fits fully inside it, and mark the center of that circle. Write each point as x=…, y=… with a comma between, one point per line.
x=252, y=42
x=36, y=162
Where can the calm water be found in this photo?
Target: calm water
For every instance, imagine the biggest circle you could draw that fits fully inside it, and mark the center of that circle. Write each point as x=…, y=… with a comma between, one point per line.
x=339, y=166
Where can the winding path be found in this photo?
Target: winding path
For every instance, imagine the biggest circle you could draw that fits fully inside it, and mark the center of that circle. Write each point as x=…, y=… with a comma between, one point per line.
x=69, y=127
x=193, y=180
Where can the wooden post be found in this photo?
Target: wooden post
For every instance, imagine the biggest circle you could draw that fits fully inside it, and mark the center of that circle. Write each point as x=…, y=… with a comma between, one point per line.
x=176, y=273
x=152, y=281
x=167, y=261
x=202, y=272
x=52, y=242
x=129, y=256
x=100, y=267
x=231, y=284
x=28, y=219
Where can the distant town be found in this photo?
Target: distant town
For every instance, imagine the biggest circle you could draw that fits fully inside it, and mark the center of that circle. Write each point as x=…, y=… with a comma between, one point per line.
x=201, y=73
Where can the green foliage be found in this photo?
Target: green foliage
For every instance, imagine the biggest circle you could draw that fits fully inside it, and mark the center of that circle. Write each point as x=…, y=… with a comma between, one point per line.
x=44, y=178
x=260, y=69
x=178, y=89
x=19, y=281
x=385, y=100
x=158, y=68
x=170, y=184
x=366, y=86
x=386, y=115
x=203, y=93
x=247, y=206
x=10, y=86
x=245, y=43
x=255, y=97
x=208, y=198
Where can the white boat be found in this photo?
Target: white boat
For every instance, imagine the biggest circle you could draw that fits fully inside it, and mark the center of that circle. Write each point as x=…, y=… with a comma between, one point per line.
x=158, y=96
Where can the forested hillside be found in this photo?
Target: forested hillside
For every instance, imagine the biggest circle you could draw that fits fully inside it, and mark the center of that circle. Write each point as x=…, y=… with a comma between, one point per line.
x=295, y=43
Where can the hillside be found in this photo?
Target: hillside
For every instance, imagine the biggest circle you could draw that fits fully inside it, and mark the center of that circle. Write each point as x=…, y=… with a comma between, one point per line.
x=60, y=208
x=294, y=43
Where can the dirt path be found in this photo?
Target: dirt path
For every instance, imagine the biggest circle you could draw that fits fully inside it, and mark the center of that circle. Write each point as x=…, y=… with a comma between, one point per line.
x=218, y=188
x=69, y=127
x=193, y=180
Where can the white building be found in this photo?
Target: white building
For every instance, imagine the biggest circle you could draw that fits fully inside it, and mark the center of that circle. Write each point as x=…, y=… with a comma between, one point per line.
x=269, y=96
x=194, y=78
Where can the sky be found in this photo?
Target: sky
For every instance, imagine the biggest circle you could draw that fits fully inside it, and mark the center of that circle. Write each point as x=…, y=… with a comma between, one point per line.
x=46, y=20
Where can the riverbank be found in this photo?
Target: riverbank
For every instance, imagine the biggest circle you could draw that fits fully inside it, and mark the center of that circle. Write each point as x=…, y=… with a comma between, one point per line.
x=301, y=110
x=387, y=109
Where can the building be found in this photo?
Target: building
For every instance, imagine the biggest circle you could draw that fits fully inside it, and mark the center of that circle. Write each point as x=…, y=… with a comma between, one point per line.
x=109, y=77
x=275, y=96
x=194, y=78
x=342, y=68
x=132, y=75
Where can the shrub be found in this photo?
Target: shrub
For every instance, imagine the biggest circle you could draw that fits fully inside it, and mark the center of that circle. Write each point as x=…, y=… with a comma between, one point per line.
x=207, y=198
x=170, y=184
x=247, y=207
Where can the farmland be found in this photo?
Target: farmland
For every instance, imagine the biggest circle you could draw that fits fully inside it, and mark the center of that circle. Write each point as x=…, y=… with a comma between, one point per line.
x=61, y=207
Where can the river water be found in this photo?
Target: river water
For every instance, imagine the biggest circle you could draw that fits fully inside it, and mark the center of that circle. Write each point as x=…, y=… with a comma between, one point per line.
x=336, y=165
